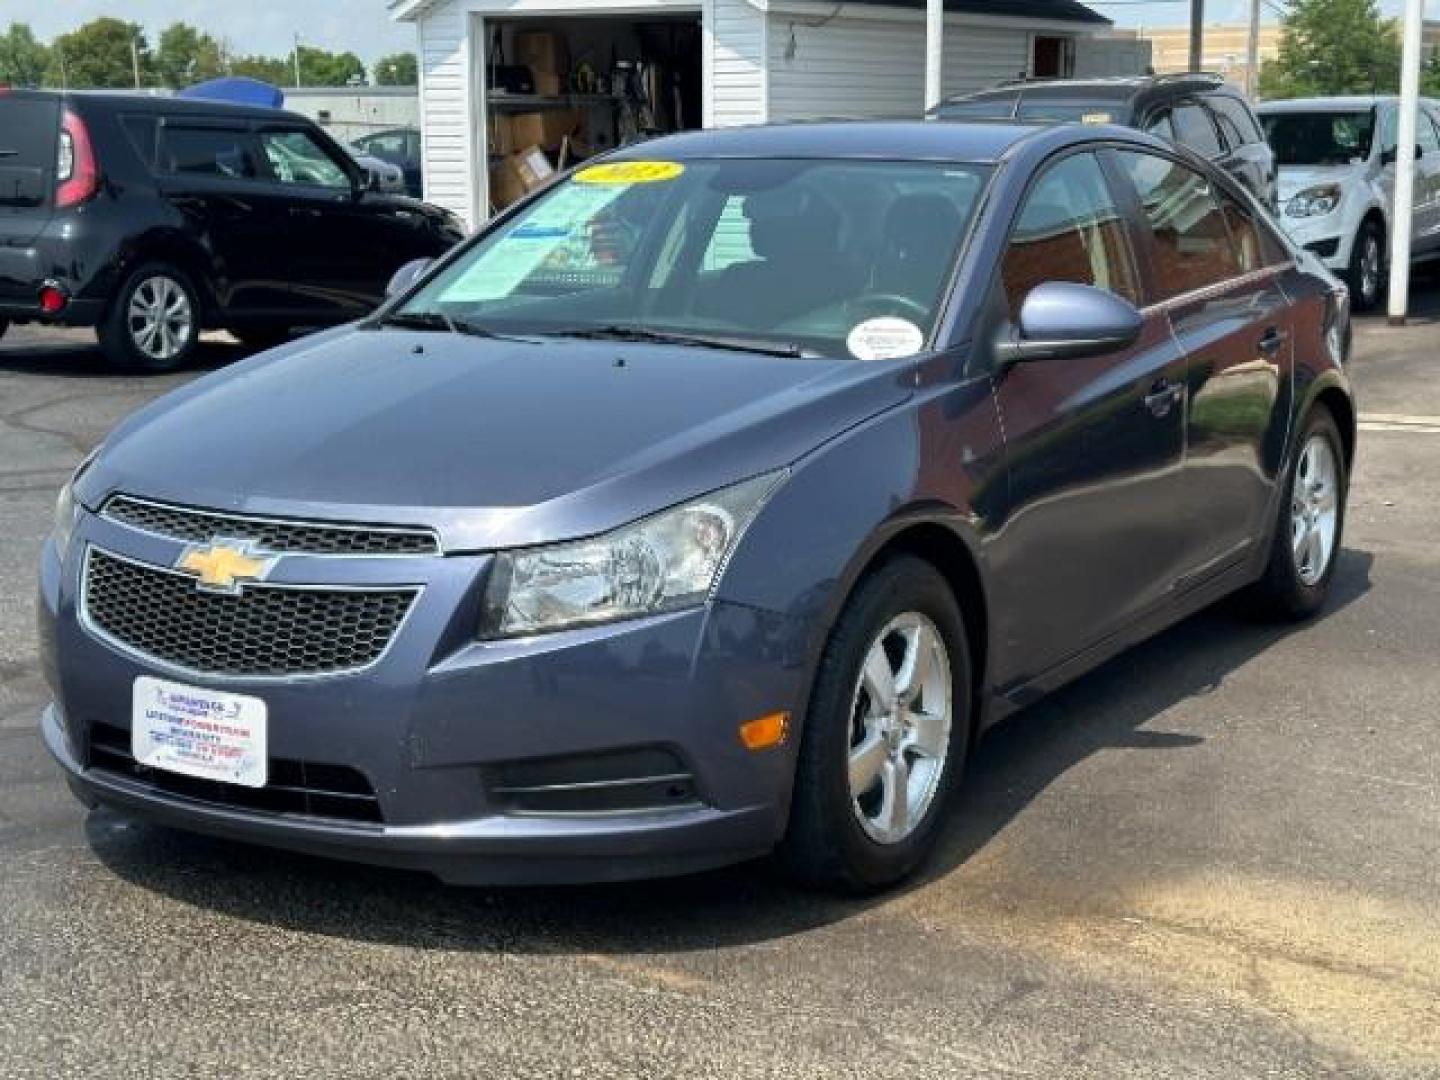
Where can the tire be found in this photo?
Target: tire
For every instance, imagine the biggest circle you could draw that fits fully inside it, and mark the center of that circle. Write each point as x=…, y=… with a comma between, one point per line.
x=125, y=333
x=1294, y=585
x=260, y=338
x=1364, y=276
x=837, y=839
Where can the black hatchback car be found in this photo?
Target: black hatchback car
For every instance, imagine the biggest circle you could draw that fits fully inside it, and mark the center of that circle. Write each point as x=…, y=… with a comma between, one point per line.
x=151, y=219
x=1197, y=109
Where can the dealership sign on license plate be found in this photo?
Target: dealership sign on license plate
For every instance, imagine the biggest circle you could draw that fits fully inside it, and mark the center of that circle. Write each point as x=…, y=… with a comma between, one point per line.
x=202, y=733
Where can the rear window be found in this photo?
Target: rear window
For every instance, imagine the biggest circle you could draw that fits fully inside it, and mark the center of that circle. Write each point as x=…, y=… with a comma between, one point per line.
x=199, y=151
x=29, y=128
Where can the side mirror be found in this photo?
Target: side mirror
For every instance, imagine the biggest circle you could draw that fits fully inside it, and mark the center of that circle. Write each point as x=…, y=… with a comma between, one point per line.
x=1062, y=320
x=406, y=276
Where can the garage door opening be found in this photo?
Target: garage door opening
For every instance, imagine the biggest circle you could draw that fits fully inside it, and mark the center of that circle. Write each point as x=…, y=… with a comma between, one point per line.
x=559, y=90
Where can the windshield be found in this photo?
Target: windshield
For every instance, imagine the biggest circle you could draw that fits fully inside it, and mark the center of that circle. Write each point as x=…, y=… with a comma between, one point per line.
x=835, y=258
x=1320, y=138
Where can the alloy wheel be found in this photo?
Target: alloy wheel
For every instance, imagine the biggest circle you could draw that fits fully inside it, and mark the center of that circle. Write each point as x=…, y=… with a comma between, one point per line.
x=901, y=719
x=160, y=319
x=1370, y=268
x=1314, y=509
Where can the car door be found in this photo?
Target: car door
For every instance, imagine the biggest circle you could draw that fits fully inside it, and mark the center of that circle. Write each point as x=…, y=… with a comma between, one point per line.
x=1216, y=277
x=350, y=240
x=1094, y=446
x=207, y=170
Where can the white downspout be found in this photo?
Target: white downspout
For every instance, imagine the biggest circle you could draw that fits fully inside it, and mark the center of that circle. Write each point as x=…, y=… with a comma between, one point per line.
x=1404, y=208
x=934, y=51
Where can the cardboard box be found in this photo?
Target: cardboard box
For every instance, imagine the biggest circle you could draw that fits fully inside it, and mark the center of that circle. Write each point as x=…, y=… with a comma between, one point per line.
x=549, y=84
x=541, y=50
x=514, y=175
x=545, y=128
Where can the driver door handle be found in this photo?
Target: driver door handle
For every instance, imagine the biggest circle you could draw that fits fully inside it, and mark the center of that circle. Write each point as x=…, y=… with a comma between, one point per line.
x=1163, y=396
x=1272, y=340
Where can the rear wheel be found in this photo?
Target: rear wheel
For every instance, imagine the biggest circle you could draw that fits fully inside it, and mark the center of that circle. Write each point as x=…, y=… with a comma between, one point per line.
x=154, y=322
x=1367, y=263
x=1309, y=526
x=886, y=735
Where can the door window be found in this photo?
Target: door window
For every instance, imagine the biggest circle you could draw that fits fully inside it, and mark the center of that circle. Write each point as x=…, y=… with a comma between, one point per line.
x=1161, y=126
x=1389, y=131
x=1191, y=244
x=1425, y=135
x=189, y=151
x=296, y=158
x=1255, y=246
x=1193, y=129
x=1234, y=120
x=1069, y=230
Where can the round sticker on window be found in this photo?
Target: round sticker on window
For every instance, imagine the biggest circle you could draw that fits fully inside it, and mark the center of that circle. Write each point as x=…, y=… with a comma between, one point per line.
x=885, y=339
x=630, y=172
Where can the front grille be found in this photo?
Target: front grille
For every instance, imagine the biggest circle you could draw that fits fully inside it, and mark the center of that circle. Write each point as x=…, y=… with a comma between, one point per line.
x=264, y=630
x=307, y=788
x=269, y=534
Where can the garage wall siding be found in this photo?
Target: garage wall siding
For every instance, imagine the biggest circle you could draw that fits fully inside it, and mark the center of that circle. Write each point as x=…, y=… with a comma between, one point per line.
x=445, y=111
x=735, y=35
x=871, y=67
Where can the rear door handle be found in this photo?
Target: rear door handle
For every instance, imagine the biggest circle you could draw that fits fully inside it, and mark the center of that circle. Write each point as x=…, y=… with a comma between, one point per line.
x=1163, y=395
x=1272, y=340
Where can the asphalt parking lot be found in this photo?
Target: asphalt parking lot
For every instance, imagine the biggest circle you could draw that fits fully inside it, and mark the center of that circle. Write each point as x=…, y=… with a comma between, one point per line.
x=1217, y=856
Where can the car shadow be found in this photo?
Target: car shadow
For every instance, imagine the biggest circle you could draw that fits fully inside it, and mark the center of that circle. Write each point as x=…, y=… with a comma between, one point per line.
x=75, y=355
x=1013, y=764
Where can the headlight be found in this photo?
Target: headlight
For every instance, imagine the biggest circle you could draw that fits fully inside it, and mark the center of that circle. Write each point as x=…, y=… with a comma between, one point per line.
x=661, y=563
x=67, y=509
x=1314, y=201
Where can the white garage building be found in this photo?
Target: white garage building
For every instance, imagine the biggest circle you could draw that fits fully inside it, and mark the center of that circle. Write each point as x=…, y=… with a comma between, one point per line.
x=728, y=61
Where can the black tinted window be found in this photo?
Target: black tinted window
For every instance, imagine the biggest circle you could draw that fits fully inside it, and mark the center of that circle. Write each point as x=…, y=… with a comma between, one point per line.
x=1193, y=129
x=29, y=128
x=1191, y=243
x=206, y=152
x=1255, y=246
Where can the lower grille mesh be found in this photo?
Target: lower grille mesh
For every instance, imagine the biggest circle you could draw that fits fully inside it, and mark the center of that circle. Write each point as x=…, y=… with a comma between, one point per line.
x=265, y=630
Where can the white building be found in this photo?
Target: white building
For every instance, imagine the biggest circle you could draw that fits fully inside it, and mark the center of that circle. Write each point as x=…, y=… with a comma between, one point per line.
x=748, y=61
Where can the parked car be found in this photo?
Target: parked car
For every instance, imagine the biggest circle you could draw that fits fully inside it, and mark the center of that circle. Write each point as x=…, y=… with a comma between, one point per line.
x=151, y=219
x=709, y=502
x=399, y=146
x=1337, y=182
x=1197, y=110
x=379, y=175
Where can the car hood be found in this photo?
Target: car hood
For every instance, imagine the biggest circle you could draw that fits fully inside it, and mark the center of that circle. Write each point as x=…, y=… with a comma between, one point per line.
x=1296, y=178
x=494, y=443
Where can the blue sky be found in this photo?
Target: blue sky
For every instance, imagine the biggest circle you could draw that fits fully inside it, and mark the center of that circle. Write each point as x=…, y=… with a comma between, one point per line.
x=362, y=26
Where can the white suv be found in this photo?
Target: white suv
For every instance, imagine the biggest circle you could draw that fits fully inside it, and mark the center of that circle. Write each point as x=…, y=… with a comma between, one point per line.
x=1337, y=182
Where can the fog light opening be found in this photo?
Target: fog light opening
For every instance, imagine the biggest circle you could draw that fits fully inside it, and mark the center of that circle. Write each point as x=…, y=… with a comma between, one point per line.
x=52, y=299
x=765, y=731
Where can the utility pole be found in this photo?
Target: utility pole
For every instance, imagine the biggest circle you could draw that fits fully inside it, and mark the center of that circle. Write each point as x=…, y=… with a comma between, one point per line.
x=1252, y=54
x=1404, y=210
x=135, y=57
x=297, y=59
x=934, y=52
x=1197, y=35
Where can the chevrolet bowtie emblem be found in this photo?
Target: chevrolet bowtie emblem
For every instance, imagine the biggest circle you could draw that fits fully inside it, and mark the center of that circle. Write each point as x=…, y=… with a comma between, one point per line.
x=221, y=565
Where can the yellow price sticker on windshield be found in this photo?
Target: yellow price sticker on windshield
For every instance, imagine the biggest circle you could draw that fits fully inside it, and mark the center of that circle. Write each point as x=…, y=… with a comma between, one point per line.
x=630, y=172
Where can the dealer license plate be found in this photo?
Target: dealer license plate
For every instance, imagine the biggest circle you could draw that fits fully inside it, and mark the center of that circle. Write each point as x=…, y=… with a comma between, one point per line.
x=202, y=733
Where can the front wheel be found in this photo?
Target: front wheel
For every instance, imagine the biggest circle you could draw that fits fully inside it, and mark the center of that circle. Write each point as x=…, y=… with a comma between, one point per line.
x=886, y=734
x=1367, y=264
x=1309, y=526
x=154, y=322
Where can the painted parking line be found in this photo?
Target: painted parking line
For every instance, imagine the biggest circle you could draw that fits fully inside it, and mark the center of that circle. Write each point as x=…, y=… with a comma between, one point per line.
x=1423, y=425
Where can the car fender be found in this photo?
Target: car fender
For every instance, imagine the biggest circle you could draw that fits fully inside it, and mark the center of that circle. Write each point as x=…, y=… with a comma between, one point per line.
x=175, y=246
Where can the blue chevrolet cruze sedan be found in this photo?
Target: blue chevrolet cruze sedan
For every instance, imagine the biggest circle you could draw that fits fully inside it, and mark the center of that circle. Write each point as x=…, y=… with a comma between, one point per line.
x=708, y=504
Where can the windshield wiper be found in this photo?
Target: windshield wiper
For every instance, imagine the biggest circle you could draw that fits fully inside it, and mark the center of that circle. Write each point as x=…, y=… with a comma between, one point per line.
x=438, y=320
x=670, y=337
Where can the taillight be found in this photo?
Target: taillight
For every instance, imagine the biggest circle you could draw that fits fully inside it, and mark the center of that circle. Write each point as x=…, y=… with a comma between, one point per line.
x=76, y=174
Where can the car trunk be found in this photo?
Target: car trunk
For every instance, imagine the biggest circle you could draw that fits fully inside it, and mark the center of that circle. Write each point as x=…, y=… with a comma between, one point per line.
x=29, y=131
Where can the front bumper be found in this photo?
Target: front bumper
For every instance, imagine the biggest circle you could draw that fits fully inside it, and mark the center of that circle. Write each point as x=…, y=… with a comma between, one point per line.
x=1323, y=235
x=440, y=716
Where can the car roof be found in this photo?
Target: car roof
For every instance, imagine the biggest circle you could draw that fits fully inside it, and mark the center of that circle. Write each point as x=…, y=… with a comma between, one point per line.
x=1338, y=103
x=897, y=140
x=1122, y=88
x=178, y=106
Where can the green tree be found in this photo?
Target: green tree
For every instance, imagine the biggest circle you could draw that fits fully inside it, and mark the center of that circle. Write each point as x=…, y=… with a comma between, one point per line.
x=321, y=68
x=98, y=54
x=274, y=70
x=23, y=60
x=401, y=69
x=185, y=55
x=1333, y=47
